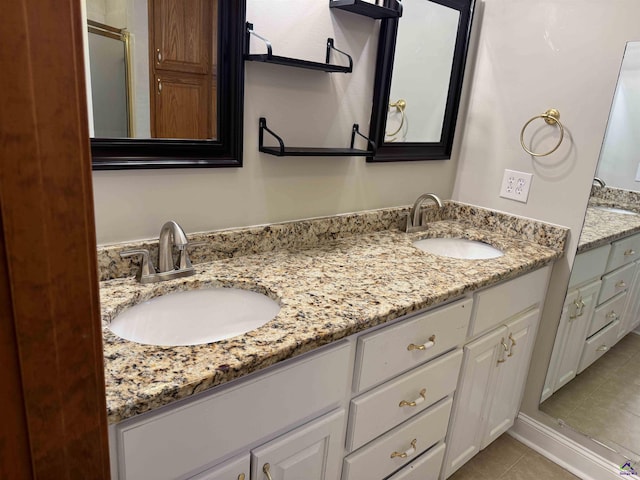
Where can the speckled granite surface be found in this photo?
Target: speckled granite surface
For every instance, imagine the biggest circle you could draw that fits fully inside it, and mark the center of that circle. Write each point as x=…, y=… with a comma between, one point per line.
x=327, y=290
x=603, y=226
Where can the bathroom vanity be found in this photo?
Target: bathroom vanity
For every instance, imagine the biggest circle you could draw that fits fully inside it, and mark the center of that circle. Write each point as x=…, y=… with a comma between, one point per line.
x=384, y=361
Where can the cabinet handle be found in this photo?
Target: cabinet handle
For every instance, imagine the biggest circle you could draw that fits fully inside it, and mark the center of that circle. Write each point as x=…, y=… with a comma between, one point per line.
x=417, y=401
x=506, y=349
x=159, y=86
x=411, y=451
x=513, y=344
x=241, y=476
x=424, y=346
x=159, y=55
x=579, y=304
x=266, y=469
x=612, y=315
x=631, y=251
x=602, y=348
x=621, y=284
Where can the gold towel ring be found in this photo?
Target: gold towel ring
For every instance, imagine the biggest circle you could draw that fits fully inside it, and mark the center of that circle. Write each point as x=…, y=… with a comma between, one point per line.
x=400, y=105
x=552, y=117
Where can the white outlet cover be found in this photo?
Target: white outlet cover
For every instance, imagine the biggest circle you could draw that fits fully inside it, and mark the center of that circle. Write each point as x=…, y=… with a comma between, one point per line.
x=516, y=185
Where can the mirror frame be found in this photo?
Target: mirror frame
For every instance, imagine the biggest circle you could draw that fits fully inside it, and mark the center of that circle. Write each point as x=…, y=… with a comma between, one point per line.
x=224, y=151
x=415, y=151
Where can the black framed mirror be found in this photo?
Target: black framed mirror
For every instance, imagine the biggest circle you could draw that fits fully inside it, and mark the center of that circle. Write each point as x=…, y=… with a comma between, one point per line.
x=217, y=146
x=418, y=84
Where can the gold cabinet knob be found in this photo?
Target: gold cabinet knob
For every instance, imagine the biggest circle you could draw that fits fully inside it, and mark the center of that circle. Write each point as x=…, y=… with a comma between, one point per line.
x=266, y=469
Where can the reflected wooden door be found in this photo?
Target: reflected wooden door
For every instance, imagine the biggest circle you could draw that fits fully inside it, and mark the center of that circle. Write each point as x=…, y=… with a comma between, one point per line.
x=183, y=51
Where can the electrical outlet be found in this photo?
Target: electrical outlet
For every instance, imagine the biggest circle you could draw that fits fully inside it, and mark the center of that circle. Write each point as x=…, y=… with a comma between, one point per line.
x=515, y=185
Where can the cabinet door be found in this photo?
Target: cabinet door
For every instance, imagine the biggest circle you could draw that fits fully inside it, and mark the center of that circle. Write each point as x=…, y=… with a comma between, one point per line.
x=472, y=398
x=578, y=318
x=234, y=469
x=182, y=35
x=511, y=376
x=630, y=316
x=181, y=106
x=311, y=452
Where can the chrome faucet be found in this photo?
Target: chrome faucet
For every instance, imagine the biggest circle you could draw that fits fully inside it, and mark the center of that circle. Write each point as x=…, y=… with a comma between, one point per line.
x=599, y=181
x=414, y=222
x=170, y=234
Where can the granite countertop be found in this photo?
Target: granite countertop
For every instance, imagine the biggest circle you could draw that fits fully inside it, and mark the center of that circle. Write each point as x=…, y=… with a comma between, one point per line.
x=327, y=291
x=603, y=226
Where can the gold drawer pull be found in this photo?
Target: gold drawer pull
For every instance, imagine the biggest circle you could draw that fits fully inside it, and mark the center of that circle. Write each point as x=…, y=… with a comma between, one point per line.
x=424, y=346
x=631, y=251
x=506, y=349
x=621, y=284
x=602, y=348
x=579, y=304
x=612, y=315
x=241, y=476
x=417, y=401
x=411, y=451
x=266, y=469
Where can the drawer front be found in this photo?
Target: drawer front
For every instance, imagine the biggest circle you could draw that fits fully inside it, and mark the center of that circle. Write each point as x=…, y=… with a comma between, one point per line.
x=616, y=282
x=607, y=312
x=380, y=410
x=231, y=470
x=624, y=251
x=375, y=460
x=598, y=345
x=427, y=467
x=496, y=304
x=179, y=441
x=393, y=350
x=589, y=265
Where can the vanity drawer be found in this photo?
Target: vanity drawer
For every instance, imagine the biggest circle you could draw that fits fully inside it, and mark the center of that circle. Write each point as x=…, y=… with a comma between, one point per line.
x=393, y=350
x=375, y=461
x=427, y=467
x=376, y=412
x=589, y=265
x=607, y=312
x=495, y=304
x=174, y=442
x=616, y=282
x=623, y=251
x=598, y=345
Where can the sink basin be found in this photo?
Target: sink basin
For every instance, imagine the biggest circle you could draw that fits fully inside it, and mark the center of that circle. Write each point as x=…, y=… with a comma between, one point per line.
x=194, y=317
x=617, y=210
x=458, y=248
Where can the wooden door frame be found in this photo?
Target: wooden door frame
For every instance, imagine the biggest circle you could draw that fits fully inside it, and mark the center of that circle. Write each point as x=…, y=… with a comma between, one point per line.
x=54, y=415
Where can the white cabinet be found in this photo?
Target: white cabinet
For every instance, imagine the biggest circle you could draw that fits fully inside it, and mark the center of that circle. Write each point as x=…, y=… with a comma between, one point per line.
x=572, y=330
x=510, y=372
x=311, y=452
x=494, y=368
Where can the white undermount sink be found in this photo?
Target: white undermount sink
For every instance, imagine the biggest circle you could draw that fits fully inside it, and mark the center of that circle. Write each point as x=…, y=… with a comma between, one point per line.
x=194, y=317
x=458, y=248
x=617, y=210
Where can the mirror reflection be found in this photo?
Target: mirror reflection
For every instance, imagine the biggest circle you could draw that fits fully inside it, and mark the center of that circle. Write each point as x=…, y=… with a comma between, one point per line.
x=421, y=72
x=153, y=68
x=593, y=380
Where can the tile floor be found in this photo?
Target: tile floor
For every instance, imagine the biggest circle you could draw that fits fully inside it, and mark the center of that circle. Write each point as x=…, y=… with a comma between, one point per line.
x=506, y=458
x=604, y=400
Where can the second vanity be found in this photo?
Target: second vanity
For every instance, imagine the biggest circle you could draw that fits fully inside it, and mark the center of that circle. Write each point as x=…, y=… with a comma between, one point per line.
x=384, y=361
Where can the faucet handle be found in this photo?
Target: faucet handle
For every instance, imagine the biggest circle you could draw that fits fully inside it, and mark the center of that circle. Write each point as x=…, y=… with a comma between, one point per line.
x=147, y=267
x=185, y=261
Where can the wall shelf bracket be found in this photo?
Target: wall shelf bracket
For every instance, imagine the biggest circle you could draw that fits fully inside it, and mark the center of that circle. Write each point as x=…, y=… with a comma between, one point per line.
x=283, y=151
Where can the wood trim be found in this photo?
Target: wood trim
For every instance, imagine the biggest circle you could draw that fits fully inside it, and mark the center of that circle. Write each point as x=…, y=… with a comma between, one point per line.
x=48, y=239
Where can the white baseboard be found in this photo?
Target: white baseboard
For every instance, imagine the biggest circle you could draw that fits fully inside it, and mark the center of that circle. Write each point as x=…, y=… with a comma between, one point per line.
x=566, y=452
